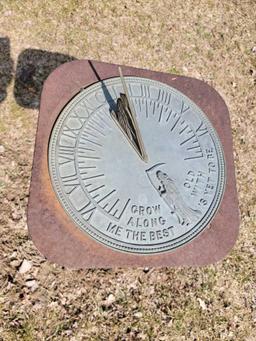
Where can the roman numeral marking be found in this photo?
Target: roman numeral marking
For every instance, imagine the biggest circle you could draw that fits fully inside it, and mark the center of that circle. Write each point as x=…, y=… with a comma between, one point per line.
x=176, y=122
x=191, y=142
x=193, y=147
x=70, y=182
x=164, y=97
x=75, y=115
x=87, y=106
x=73, y=133
x=188, y=139
x=87, y=211
x=66, y=153
x=145, y=91
x=201, y=130
x=184, y=129
x=184, y=108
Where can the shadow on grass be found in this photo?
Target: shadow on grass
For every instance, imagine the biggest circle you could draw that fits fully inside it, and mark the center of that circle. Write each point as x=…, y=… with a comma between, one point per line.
x=6, y=66
x=33, y=67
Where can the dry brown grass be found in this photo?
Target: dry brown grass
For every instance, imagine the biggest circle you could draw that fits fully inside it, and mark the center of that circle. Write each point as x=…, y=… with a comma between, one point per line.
x=210, y=40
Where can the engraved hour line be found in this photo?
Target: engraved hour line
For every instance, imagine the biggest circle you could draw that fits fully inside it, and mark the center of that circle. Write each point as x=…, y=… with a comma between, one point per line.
x=66, y=149
x=83, y=162
x=139, y=104
x=95, y=189
x=94, y=176
x=120, y=215
x=188, y=139
x=182, y=111
x=82, y=167
x=114, y=89
x=86, y=132
x=70, y=180
x=169, y=115
x=176, y=122
x=89, y=157
x=152, y=105
x=160, y=115
x=103, y=120
x=199, y=151
x=157, y=108
x=85, y=148
x=87, y=140
x=183, y=129
x=165, y=110
x=144, y=101
x=202, y=129
x=190, y=148
x=85, y=151
x=83, y=171
x=137, y=101
x=89, y=126
x=97, y=123
x=106, y=196
x=113, y=205
x=194, y=157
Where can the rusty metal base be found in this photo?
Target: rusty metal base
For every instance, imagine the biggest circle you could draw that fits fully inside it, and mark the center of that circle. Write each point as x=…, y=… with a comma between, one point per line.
x=50, y=228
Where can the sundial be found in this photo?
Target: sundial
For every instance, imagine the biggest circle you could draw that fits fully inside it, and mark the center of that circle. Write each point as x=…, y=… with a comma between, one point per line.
x=131, y=167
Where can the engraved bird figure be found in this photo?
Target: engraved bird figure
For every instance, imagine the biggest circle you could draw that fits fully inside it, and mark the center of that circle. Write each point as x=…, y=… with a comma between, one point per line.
x=172, y=197
x=169, y=192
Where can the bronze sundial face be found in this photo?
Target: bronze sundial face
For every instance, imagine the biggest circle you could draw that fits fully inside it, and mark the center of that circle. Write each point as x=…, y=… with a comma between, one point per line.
x=136, y=165
x=129, y=170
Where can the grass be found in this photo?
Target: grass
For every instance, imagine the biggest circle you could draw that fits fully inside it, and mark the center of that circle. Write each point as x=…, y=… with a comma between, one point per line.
x=210, y=40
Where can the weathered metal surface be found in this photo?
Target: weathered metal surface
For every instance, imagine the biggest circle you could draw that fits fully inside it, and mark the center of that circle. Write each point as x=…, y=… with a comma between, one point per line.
x=54, y=232
x=172, y=195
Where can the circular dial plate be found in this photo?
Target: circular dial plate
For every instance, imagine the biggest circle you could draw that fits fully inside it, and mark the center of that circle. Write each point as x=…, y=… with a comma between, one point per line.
x=114, y=195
